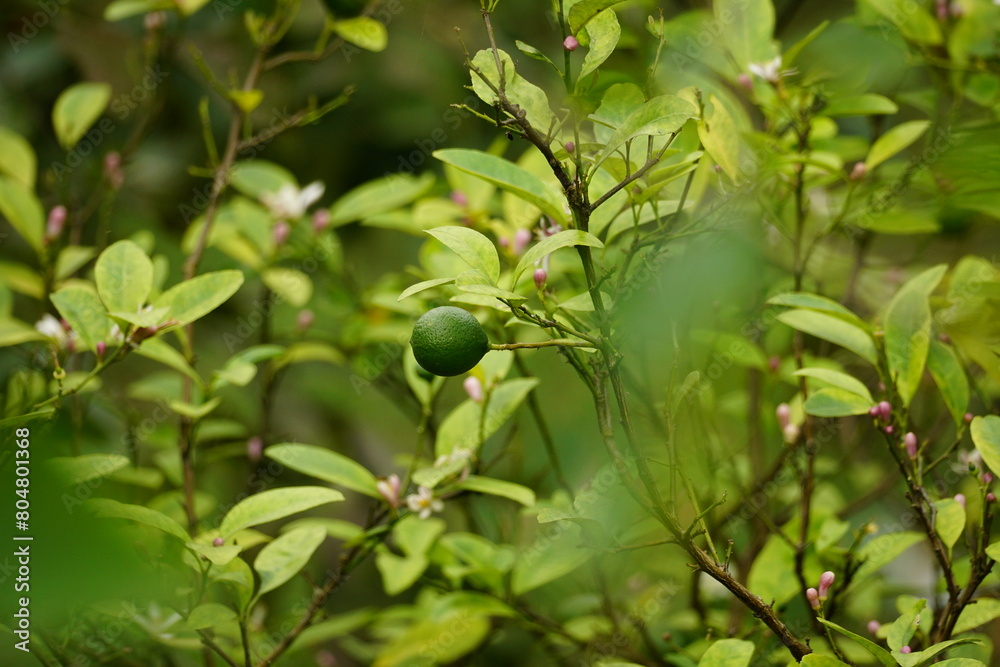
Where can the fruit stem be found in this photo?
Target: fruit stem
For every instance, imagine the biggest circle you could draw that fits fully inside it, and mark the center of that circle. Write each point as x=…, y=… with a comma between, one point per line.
x=544, y=343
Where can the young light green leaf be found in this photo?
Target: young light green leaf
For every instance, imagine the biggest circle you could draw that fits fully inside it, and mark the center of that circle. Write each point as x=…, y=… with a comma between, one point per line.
x=747, y=29
x=838, y=379
x=424, y=285
x=767, y=577
x=532, y=52
x=399, y=573
x=23, y=211
x=291, y=285
x=525, y=95
x=379, y=196
x=880, y=654
x=509, y=177
x=79, y=469
x=836, y=402
x=85, y=313
x=199, y=296
x=124, y=277
x=461, y=428
x=416, y=536
x=868, y=104
x=904, y=627
x=159, y=350
x=581, y=13
x=282, y=559
x=817, y=302
x=818, y=660
x=497, y=487
x=894, y=141
x=548, y=245
x=325, y=464
x=71, y=259
x=551, y=558
x=603, y=33
x=76, y=109
x=363, y=31
x=209, y=615
x=721, y=138
x=657, y=117
x=477, y=250
x=832, y=329
x=908, y=330
x=922, y=657
x=986, y=436
x=949, y=376
x=727, y=653
x=949, y=521
x=275, y=504
x=979, y=612
x=912, y=19
x=123, y=9
x=883, y=549
x=256, y=177
x=17, y=159
x=112, y=509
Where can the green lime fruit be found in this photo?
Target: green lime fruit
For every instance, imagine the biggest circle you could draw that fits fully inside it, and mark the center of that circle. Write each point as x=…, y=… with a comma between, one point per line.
x=448, y=341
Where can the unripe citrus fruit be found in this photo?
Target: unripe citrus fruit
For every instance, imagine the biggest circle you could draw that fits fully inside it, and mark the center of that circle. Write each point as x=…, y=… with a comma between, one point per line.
x=448, y=341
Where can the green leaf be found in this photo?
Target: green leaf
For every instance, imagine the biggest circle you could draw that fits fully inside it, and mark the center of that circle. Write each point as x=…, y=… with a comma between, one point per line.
x=246, y=100
x=913, y=20
x=379, y=196
x=860, y=105
x=914, y=659
x=416, y=536
x=721, y=138
x=275, y=504
x=904, y=627
x=950, y=378
x=509, y=177
x=727, y=653
x=199, y=296
x=519, y=91
x=548, y=559
x=425, y=285
x=189, y=7
x=216, y=555
x=76, y=109
x=817, y=660
x=257, y=177
x=160, y=351
x=497, y=487
x=209, y=615
x=949, y=521
x=548, y=245
x=602, y=35
x=961, y=662
x=838, y=379
x=112, y=509
x=123, y=9
x=326, y=465
x=894, y=141
x=460, y=429
x=979, y=612
x=986, y=436
x=836, y=402
x=23, y=211
x=194, y=411
x=282, y=559
x=79, y=469
x=71, y=259
x=583, y=12
x=477, y=250
x=884, y=657
x=85, y=313
x=747, y=28
x=817, y=302
x=476, y=282
x=124, y=277
x=532, y=52
x=17, y=159
x=309, y=351
x=832, y=329
x=883, y=549
x=292, y=285
x=363, y=31
x=768, y=576
x=657, y=117
x=908, y=331
x=399, y=573
x=447, y=635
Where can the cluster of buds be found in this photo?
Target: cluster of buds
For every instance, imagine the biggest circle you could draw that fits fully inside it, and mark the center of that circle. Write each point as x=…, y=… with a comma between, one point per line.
x=819, y=595
x=882, y=411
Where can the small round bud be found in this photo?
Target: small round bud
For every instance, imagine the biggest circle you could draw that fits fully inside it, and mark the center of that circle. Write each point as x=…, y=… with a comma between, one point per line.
x=55, y=223
x=100, y=348
x=885, y=410
x=988, y=478
x=944, y=338
x=570, y=43
x=890, y=429
x=280, y=232
x=825, y=581
x=458, y=197
x=960, y=499
x=968, y=417
x=873, y=412
x=906, y=649
x=745, y=81
x=570, y=147
x=790, y=433
x=305, y=319
x=813, y=595
x=326, y=659
x=320, y=220
x=873, y=626
x=910, y=442
x=155, y=21
x=991, y=497
x=540, y=277
x=522, y=238
x=774, y=363
x=504, y=242
x=474, y=388
x=784, y=413
x=218, y=541
x=255, y=448
x=859, y=171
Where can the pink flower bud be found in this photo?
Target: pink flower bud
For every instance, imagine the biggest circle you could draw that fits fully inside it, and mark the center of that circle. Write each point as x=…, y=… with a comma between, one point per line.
x=155, y=21
x=218, y=541
x=960, y=499
x=280, y=232
x=873, y=412
x=113, y=169
x=991, y=497
x=570, y=43
x=326, y=659
x=941, y=9
x=522, y=238
x=885, y=410
x=813, y=596
x=783, y=412
x=474, y=388
x=825, y=581
x=55, y=223
x=305, y=319
x=774, y=363
x=458, y=197
x=570, y=147
x=859, y=171
x=100, y=348
x=910, y=442
x=944, y=338
x=540, y=277
x=389, y=488
x=790, y=433
x=873, y=626
x=987, y=478
x=745, y=81
x=968, y=417
x=255, y=447
x=906, y=649
x=890, y=429
x=504, y=243
x=320, y=220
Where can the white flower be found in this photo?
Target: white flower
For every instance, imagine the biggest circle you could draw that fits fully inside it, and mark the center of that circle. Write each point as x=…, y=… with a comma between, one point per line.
x=52, y=329
x=290, y=203
x=771, y=70
x=423, y=502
